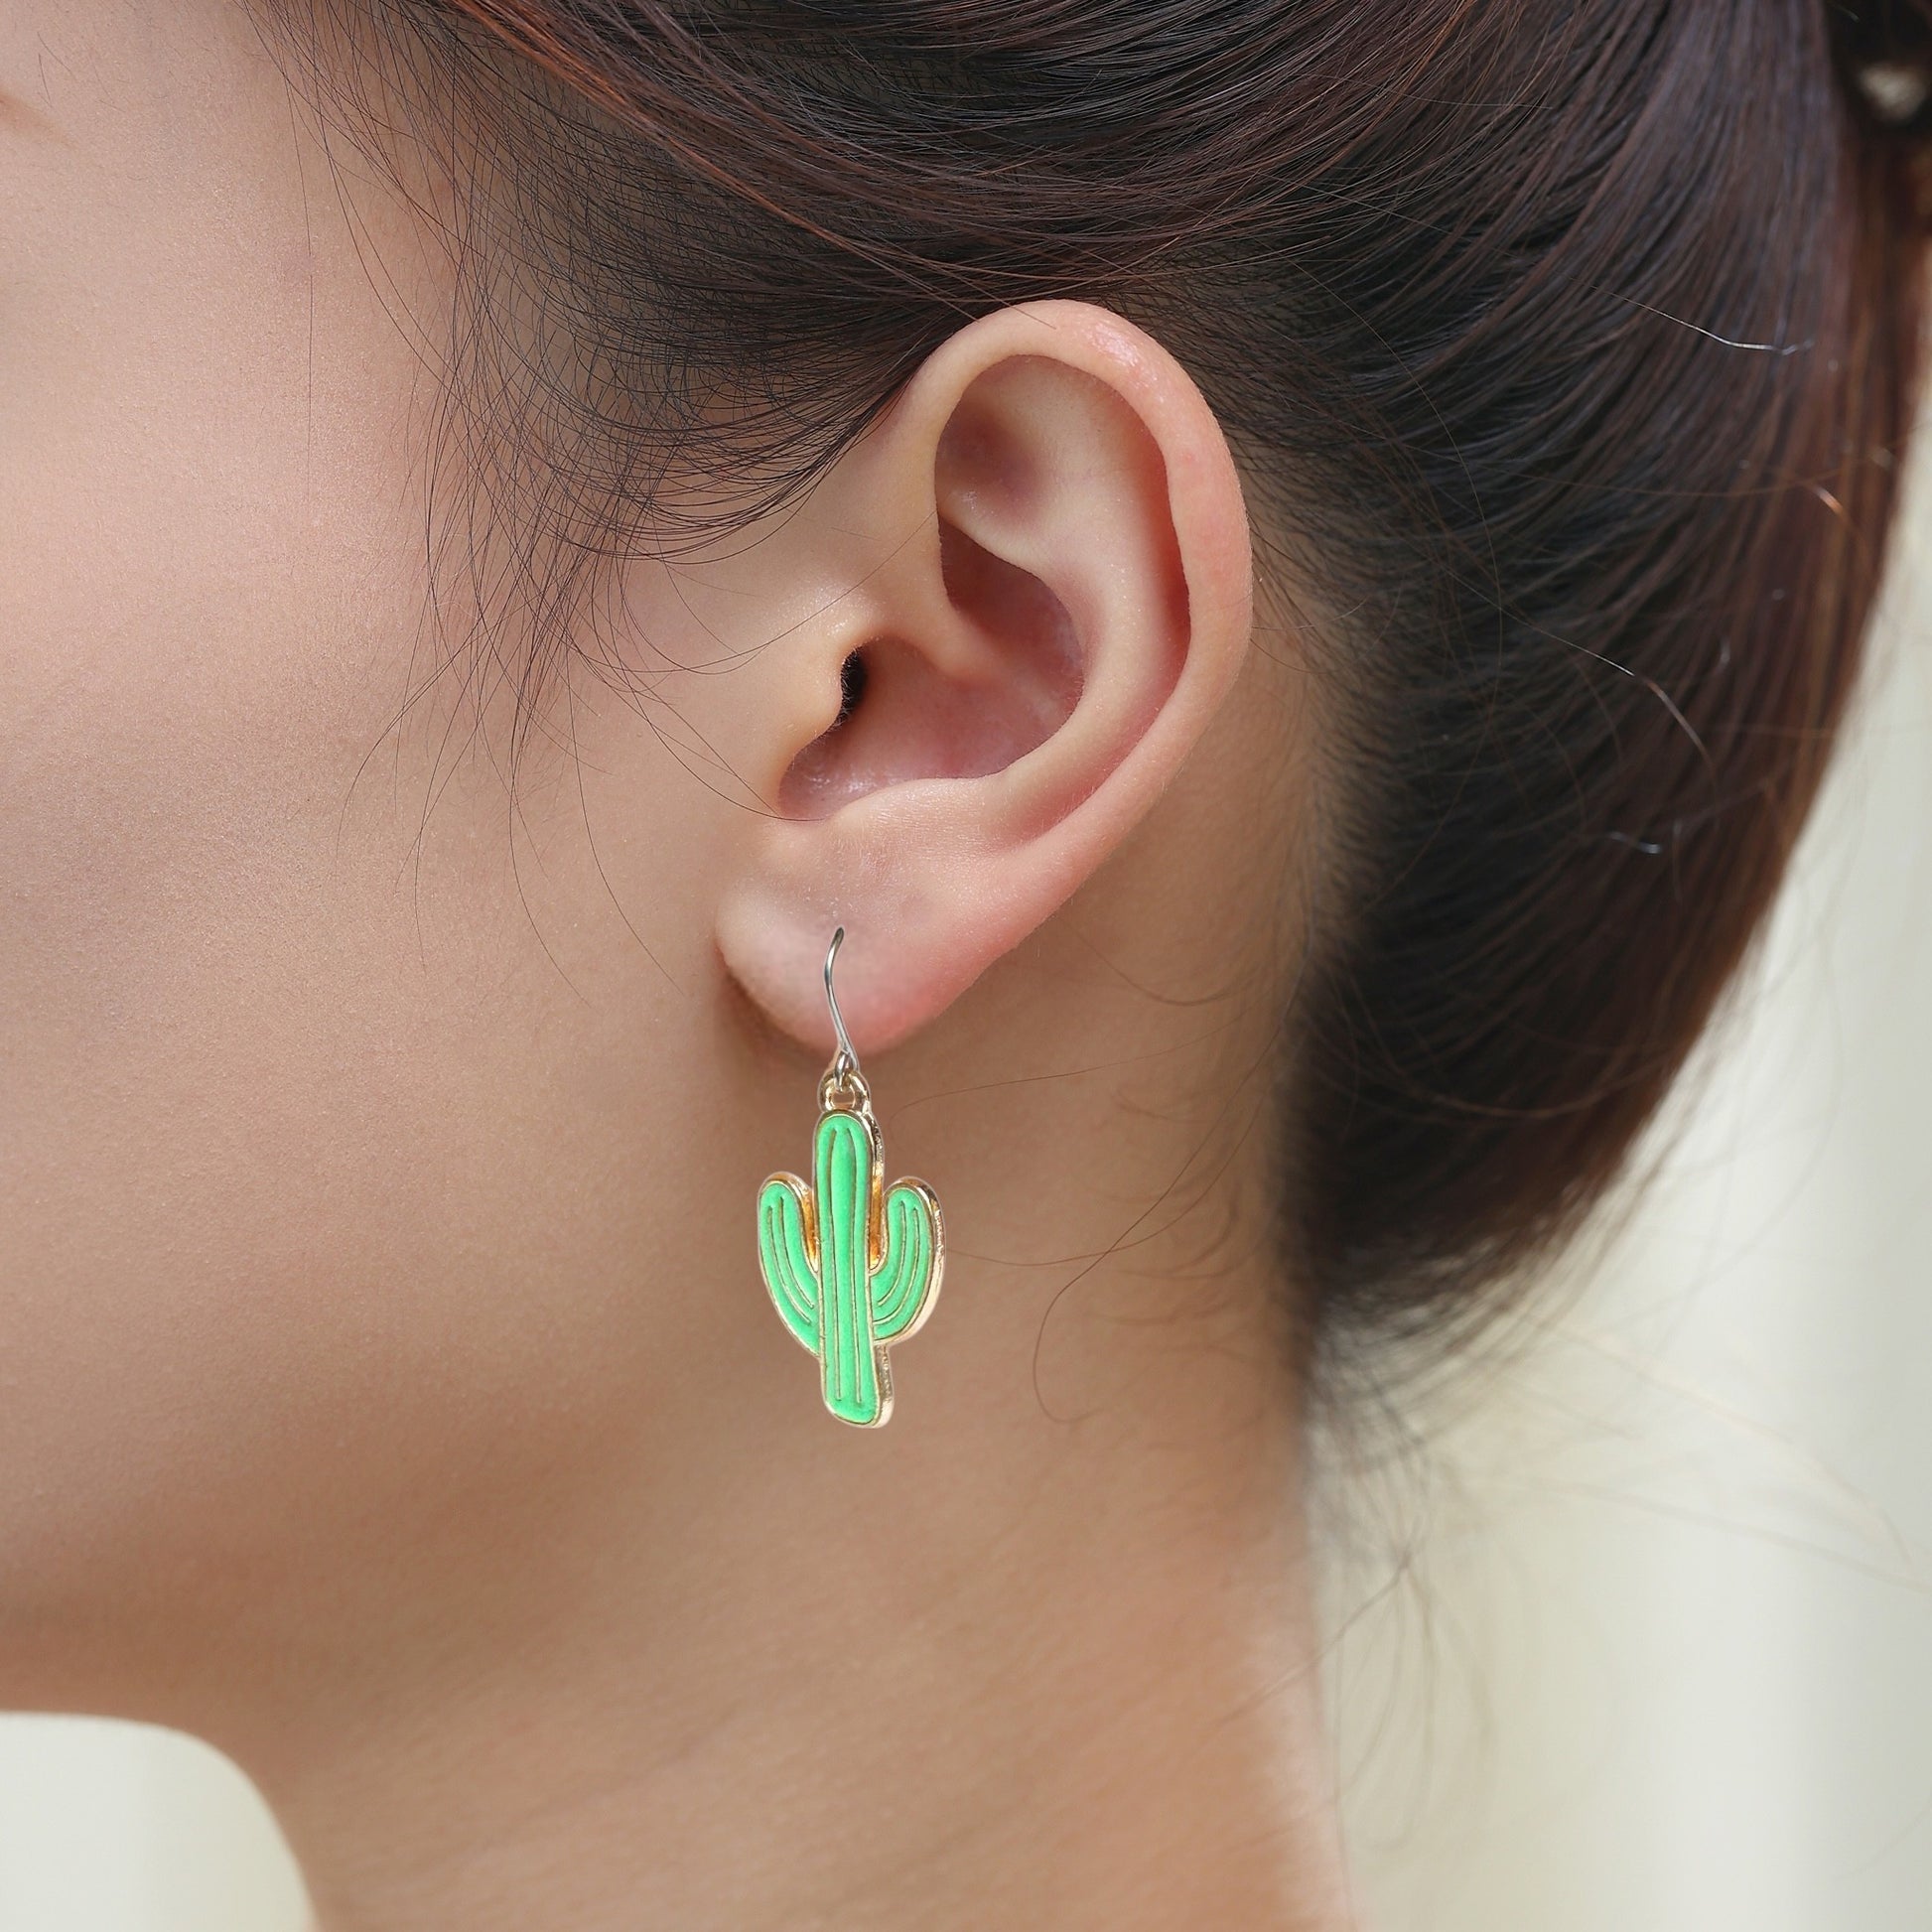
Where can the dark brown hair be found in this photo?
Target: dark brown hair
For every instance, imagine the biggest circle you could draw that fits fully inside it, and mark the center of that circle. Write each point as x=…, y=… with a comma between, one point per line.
x=1567, y=346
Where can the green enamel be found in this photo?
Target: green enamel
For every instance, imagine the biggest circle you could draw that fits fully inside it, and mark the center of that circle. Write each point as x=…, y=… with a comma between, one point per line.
x=784, y=1255
x=815, y=1250
x=905, y=1268
x=844, y=1173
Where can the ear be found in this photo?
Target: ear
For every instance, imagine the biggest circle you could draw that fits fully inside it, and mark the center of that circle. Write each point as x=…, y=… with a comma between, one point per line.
x=1051, y=594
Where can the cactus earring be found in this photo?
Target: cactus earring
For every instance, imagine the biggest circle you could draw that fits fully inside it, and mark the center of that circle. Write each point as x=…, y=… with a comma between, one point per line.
x=852, y=1265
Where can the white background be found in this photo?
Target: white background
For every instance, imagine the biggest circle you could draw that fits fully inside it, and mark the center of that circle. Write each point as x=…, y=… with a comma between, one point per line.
x=1641, y=1640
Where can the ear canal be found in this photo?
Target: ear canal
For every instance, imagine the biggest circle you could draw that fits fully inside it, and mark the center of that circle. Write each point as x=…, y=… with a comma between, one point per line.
x=1004, y=680
x=852, y=686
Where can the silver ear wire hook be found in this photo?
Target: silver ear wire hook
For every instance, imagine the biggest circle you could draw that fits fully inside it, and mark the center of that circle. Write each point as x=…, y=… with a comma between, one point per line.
x=847, y=1061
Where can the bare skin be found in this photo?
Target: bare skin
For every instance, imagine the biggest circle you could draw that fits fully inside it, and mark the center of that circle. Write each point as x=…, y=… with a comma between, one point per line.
x=390, y=1396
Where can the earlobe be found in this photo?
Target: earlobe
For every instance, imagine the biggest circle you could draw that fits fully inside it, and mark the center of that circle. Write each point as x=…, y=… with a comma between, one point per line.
x=1057, y=598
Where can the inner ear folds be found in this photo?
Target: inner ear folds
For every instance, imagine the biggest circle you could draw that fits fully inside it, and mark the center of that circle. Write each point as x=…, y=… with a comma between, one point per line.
x=962, y=707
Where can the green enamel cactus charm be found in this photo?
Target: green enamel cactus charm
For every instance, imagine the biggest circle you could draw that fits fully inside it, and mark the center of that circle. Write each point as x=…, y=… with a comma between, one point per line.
x=851, y=1264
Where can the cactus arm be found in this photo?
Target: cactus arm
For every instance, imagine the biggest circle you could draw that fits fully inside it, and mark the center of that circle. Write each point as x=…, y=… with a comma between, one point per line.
x=784, y=1256
x=847, y=1357
x=907, y=1281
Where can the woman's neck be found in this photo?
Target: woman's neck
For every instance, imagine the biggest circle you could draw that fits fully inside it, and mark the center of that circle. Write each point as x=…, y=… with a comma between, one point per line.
x=1061, y=1677
x=1038, y=1654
